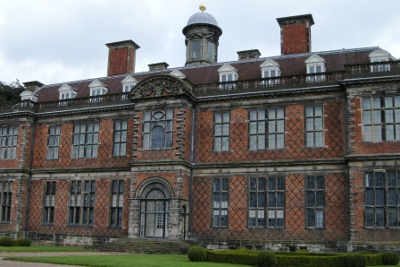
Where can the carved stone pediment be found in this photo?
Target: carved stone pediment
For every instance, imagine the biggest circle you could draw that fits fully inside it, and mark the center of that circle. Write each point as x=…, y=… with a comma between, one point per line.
x=160, y=86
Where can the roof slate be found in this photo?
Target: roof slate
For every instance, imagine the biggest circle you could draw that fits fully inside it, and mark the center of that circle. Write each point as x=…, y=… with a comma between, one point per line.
x=208, y=73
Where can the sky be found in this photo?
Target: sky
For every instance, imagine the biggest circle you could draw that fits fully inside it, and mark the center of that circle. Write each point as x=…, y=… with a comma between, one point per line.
x=57, y=41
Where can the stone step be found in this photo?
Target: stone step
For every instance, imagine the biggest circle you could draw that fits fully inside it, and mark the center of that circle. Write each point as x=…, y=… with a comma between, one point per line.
x=144, y=246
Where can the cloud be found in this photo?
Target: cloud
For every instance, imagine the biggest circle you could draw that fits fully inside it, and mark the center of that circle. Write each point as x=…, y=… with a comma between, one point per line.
x=63, y=40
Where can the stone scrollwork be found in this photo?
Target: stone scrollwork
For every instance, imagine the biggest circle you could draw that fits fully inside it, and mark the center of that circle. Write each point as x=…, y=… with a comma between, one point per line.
x=158, y=86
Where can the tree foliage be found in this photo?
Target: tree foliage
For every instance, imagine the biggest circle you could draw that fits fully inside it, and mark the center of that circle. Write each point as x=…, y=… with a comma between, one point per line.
x=9, y=92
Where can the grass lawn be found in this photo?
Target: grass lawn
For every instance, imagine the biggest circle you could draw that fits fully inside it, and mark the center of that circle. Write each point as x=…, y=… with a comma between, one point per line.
x=35, y=248
x=123, y=260
x=129, y=260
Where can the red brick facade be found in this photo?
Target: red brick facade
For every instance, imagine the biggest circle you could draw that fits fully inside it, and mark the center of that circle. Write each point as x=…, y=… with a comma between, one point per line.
x=164, y=163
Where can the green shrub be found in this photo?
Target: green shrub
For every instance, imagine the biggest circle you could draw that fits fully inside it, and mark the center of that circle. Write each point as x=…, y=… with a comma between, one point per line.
x=365, y=252
x=266, y=259
x=302, y=251
x=374, y=259
x=16, y=243
x=25, y=242
x=6, y=241
x=356, y=260
x=390, y=258
x=197, y=253
x=241, y=256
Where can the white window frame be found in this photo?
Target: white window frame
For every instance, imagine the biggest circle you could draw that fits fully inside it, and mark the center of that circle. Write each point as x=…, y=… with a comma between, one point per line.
x=128, y=83
x=270, y=69
x=28, y=95
x=228, y=76
x=66, y=92
x=379, y=55
x=97, y=88
x=315, y=65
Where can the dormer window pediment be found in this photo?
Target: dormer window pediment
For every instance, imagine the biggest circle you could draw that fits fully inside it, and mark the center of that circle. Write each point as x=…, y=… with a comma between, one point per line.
x=128, y=83
x=178, y=74
x=379, y=55
x=28, y=95
x=97, y=88
x=66, y=92
x=270, y=68
x=316, y=66
x=228, y=73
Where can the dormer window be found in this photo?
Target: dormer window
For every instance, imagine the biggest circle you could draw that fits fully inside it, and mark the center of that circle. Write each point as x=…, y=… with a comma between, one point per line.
x=97, y=88
x=128, y=83
x=178, y=74
x=315, y=66
x=379, y=56
x=28, y=95
x=66, y=92
x=269, y=70
x=227, y=75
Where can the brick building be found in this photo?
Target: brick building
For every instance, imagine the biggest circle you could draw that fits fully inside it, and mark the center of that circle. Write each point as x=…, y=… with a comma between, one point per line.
x=295, y=150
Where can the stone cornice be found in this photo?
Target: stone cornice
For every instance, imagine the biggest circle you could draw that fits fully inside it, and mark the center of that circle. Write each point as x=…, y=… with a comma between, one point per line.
x=372, y=157
x=369, y=80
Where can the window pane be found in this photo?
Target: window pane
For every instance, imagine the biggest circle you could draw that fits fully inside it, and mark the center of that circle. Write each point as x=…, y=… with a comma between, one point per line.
x=379, y=217
x=369, y=197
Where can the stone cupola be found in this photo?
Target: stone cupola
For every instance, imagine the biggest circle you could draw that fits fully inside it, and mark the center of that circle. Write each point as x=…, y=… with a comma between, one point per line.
x=202, y=38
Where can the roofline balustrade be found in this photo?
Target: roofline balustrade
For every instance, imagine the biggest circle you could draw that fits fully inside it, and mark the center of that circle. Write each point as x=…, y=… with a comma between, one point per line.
x=376, y=69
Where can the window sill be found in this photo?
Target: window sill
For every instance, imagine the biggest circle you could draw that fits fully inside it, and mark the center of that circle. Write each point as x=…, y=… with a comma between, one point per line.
x=80, y=225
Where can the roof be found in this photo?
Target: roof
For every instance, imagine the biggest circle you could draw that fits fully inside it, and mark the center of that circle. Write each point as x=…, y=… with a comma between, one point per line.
x=202, y=18
x=290, y=65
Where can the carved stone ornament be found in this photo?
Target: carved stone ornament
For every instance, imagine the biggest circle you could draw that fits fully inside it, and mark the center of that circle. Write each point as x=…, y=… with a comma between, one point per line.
x=159, y=86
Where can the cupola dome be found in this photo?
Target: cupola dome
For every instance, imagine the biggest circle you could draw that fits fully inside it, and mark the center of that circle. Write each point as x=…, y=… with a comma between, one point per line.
x=202, y=18
x=202, y=35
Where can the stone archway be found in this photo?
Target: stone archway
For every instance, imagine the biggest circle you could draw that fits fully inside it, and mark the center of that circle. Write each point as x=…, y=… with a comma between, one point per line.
x=154, y=211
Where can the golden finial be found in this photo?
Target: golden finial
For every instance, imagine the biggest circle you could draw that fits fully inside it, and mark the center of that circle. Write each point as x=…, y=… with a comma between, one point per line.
x=202, y=7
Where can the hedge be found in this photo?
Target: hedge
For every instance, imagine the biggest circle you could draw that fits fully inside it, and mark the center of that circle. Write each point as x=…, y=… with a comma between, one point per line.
x=8, y=242
x=249, y=257
x=240, y=256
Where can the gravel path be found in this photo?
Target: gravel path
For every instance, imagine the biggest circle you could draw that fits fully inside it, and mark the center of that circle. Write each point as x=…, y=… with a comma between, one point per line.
x=6, y=263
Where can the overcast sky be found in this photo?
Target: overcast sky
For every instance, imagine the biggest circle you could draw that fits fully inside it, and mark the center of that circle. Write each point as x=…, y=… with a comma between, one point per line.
x=55, y=41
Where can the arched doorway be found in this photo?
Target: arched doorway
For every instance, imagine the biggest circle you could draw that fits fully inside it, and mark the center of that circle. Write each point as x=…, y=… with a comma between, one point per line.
x=154, y=211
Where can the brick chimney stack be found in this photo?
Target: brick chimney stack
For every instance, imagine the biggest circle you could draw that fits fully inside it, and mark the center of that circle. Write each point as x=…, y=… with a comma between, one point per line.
x=33, y=86
x=121, y=57
x=158, y=66
x=296, y=34
x=248, y=54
